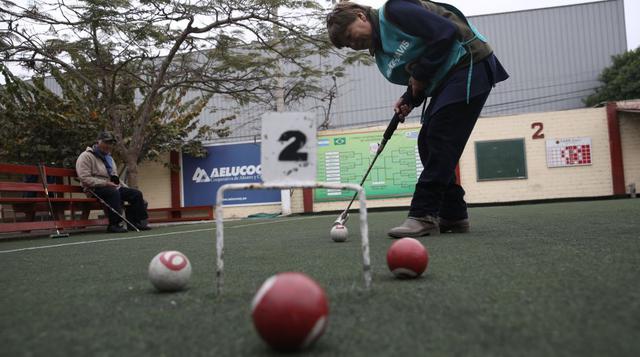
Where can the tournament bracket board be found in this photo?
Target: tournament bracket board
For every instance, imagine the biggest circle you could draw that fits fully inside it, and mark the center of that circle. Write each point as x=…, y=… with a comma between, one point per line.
x=345, y=158
x=288, y=152
x=569, y=152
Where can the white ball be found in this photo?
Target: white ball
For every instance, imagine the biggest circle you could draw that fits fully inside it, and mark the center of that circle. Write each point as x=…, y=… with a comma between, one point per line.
x=339, y=233
x=170, y=271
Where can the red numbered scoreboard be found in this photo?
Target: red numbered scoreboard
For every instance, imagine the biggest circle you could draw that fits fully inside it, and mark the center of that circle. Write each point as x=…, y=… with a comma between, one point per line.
x=569, y=152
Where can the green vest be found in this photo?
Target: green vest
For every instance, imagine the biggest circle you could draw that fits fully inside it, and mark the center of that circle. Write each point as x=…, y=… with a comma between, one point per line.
x=400, y=50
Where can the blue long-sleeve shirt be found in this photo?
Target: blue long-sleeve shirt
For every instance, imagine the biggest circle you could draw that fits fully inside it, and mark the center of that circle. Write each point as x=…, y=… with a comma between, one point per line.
x=439, y=34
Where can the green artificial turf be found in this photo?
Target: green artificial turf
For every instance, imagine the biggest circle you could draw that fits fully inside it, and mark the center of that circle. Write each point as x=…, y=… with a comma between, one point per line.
x=538, y=280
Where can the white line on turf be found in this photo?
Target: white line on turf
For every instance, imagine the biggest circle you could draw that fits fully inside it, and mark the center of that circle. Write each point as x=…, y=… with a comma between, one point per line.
x=148, y=235
x=271, y=222
x=102, y=240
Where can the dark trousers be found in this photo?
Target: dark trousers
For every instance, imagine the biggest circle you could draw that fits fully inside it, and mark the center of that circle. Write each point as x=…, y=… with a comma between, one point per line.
x=441, y=141
x=135, y=212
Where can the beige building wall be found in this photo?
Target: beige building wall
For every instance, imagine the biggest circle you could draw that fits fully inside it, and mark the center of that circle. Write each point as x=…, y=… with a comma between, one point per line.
x=297, y=201
x=154, y=180
x=630, y=140
x=542, y=182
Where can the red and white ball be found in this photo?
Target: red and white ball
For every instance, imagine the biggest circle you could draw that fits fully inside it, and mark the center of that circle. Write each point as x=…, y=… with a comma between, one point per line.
x=170, y=271
x=339, y=233
x=290, y=311
x=407, y=258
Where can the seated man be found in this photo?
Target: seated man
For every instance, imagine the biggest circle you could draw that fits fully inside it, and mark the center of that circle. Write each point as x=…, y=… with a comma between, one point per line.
x=99, y=176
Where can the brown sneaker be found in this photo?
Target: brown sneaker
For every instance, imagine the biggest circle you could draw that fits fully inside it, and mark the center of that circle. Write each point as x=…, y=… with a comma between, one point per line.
x=416, y=227
x=454, y=226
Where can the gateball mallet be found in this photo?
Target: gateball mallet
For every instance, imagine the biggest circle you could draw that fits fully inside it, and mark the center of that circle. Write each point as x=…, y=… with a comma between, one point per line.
x=111, y=208
x=43, y=178
x=388, y=133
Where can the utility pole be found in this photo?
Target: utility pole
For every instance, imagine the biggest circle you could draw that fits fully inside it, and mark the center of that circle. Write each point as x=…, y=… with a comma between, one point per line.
x=285, y=195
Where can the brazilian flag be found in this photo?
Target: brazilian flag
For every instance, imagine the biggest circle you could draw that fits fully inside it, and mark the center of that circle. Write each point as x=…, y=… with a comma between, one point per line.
x=340, y=141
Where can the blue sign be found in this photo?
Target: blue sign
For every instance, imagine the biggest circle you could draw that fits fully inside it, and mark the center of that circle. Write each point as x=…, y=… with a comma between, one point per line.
x=229, y=163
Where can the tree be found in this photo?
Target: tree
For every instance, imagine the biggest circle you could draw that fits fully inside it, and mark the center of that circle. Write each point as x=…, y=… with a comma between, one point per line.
x=39, y=126
x=621, y=81
x=42, y=126
x=130, y=64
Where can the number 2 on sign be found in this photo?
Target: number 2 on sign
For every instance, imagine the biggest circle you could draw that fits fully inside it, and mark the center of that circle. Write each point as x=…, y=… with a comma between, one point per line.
x=538, y=134
x=290, y=152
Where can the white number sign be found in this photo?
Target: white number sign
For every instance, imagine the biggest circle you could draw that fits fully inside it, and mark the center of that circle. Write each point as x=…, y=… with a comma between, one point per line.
x=288, y=149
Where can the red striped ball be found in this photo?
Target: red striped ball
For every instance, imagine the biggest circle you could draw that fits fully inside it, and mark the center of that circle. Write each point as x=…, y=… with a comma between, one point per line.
x=290, y=311
x=407, y=258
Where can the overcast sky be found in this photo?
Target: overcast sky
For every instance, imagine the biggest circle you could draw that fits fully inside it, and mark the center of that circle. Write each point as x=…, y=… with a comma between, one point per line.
x=480, y=7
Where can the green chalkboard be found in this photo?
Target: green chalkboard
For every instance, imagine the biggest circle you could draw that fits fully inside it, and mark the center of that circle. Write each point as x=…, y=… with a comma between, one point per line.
x=501, y=159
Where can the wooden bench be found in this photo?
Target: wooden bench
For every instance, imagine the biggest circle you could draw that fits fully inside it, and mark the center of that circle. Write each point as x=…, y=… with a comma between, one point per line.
x=68, y=197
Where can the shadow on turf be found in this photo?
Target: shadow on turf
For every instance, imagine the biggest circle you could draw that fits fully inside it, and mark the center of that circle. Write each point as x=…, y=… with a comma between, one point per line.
x=154, y=291
x=322, y=346
x=389, y=278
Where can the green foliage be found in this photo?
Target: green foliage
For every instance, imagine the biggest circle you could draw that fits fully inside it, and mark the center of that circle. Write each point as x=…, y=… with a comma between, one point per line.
x=621, y=81
x=39, y=126
x=175, y=126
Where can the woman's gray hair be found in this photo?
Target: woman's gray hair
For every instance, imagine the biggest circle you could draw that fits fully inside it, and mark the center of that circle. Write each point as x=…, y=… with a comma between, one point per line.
x=338, y=20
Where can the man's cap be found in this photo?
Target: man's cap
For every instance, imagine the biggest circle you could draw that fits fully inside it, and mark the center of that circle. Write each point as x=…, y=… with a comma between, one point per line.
x=107, y=136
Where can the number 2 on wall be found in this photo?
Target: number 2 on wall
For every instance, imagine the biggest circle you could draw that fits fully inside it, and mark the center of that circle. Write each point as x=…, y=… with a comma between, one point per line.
x=538, y=134
x=290, y=152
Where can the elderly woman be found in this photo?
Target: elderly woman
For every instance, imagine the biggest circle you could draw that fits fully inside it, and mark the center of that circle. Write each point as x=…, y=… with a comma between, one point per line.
x=433, y=50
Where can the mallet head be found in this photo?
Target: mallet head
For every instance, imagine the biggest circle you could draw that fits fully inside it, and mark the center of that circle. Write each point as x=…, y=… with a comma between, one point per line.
x=342, y=219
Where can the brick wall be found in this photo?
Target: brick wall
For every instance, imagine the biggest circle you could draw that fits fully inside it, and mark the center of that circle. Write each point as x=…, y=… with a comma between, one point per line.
x=542, y=182
x=154, y=180
x=297, y=202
